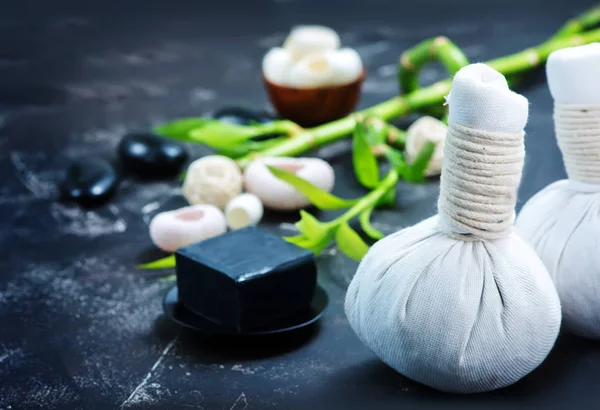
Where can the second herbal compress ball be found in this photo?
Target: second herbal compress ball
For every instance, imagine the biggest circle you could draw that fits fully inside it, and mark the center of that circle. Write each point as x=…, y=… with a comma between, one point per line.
x=460, y=302
x=563, y=220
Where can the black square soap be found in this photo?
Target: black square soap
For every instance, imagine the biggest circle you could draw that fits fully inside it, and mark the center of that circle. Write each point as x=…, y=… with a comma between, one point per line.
x=245, y=278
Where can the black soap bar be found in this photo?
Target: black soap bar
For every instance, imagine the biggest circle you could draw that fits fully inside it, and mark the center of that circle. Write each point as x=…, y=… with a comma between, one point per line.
x=245, y=278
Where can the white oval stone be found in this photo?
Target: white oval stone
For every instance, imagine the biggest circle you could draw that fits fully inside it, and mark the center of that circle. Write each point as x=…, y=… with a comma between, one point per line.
x=312, y=71
x=276, y=65
x=172, y=230
x=277, y=194
x=347, y=66
x=422, y=130
x=310, y=39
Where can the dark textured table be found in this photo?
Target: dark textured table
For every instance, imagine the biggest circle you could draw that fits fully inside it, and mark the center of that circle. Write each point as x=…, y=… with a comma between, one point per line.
x=81, y=328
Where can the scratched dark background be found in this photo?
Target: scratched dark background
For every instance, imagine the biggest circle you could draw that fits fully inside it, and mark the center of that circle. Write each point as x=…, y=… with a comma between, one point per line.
x=81, y=328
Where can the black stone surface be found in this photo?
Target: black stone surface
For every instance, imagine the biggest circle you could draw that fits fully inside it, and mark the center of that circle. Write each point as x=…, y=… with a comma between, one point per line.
x=242, y=116
x=245, y=279
x=149, y=156
x=81, y=328
x=89, y=181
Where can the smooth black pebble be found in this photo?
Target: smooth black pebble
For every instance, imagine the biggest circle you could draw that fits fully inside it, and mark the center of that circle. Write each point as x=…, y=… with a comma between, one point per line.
x=150, y=156
x=90, y=181
x=242, y=116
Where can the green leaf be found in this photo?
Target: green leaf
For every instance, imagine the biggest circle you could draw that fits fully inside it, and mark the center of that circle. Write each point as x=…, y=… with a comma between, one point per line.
x=222, y=135
x=350, y=243
x=389, y=198
x=365, y=163
x=164, y=263
x=180, y=129
x=315, y=245
x=396, y=160
x=376, y=130
x=248, y=147
x=309, y=226
x=416, y=171
x=318, y=197
x=365, y=224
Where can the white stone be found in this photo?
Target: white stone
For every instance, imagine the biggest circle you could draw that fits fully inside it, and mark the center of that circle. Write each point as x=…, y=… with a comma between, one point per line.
x=276, y=65
x=244, y=210
x=172, y=230
x=277, y=194
x=310, y=39
x=421, y=131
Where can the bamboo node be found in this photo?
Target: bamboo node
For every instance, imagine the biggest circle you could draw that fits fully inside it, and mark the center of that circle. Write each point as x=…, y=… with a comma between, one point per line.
x=437, y=43
x=533, y=57
x=405, y=62
x=378, y=150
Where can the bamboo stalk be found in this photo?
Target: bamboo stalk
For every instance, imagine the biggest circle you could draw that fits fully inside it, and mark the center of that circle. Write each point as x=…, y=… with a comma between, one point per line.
x=434, y=49
x=399, y=106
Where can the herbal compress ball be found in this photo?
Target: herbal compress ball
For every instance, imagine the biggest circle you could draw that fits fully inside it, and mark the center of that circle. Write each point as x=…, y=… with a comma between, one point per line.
x=563, y=220
x=460, y=302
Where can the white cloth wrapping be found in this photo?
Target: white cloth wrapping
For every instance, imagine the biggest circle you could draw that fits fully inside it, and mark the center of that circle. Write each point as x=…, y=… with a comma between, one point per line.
x=562, y=221
x=438, y=301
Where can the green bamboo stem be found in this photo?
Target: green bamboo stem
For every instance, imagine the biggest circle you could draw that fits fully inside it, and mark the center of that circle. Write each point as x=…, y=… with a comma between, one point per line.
x=423, y=97
x=583, y=22
x=413, y=60
x=368, y=201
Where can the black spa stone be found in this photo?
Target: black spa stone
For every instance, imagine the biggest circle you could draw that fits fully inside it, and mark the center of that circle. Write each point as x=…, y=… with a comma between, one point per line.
x=89, y=181
x=242, y=116
x=150, y=156
x=245, y=278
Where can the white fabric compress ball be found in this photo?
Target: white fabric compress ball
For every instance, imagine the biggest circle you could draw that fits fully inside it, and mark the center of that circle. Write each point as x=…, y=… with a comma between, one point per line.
x=563, y=220
x=460, y=302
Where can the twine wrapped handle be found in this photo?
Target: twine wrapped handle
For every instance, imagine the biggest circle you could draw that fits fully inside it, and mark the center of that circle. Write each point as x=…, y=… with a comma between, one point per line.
x=480, y=178
x=578, y=134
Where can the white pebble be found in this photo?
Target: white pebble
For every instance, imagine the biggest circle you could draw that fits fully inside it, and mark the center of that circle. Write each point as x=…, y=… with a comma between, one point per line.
x=277, y=194
x=347, y=66
x=310, y=39
x=315, y=70
x=175, y=229
x=422, y=130
x=214, y=180
x=276, y=65
x=243, y=210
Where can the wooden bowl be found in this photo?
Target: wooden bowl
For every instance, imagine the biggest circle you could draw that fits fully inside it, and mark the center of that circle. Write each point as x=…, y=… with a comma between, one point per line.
x=309, y=107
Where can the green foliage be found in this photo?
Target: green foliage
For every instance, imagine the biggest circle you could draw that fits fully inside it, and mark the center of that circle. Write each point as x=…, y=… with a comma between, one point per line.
x=350, y=243
x=416, y=171
x=232, y=140
x=319, y=198
x=364, y=161
x=365, y=224
x=164, y=263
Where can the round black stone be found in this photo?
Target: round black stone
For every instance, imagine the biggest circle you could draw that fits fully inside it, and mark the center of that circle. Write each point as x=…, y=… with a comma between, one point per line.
x=90, y=181
x=150, y=156
x=242, y=116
